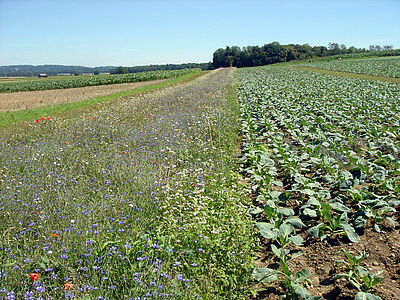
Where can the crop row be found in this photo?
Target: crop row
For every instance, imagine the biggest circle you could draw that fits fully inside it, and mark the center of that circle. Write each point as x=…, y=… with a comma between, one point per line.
x=323, y=156
x=71, y=82
x=383, y=66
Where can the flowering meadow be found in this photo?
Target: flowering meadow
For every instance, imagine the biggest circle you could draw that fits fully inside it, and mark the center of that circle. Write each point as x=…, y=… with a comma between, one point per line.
x=135, y=199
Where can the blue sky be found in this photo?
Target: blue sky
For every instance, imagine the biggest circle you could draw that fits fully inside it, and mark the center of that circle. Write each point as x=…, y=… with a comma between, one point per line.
x=129, y=33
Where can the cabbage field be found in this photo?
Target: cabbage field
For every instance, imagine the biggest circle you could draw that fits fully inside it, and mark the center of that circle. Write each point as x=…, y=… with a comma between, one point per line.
x=81, y=81
x=323, y=156
x=382, y=66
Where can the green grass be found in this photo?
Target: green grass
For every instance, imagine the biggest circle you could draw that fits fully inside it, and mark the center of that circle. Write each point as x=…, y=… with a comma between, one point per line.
x=8, y=118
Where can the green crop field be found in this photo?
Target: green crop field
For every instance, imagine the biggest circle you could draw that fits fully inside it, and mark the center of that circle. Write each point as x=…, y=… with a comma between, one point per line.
x=382, y=66
x=323, y=155
x=52, y=83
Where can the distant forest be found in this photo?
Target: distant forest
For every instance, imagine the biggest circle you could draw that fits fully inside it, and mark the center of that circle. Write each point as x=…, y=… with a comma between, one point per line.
x=203, y=66
x=53, y=70
x=274, y=53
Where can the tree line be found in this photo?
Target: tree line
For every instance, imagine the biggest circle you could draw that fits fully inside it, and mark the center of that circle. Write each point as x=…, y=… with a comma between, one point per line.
x=274, y=53
x=53, y=70
x=126, y=70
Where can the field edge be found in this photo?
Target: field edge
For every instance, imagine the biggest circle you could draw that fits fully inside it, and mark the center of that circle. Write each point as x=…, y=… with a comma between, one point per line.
x=17, y=117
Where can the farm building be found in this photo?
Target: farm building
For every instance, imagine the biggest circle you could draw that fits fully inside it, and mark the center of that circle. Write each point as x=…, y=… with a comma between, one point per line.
x=42, y=75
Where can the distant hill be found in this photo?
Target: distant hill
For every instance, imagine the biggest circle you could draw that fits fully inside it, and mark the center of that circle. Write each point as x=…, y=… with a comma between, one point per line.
x=52, y=70
x=30, y=70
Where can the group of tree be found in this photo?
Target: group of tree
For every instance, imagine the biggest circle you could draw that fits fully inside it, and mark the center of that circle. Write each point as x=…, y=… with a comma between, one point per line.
x=274, y=53
x=377, y=48
x=136, y=69
x=51, y=70
x=54, y=70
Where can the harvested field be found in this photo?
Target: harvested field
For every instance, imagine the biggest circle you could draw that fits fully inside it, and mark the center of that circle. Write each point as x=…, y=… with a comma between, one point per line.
x=28, y=100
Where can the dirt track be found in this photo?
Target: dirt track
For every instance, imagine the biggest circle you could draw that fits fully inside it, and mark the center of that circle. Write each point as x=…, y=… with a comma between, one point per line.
x=27, y=100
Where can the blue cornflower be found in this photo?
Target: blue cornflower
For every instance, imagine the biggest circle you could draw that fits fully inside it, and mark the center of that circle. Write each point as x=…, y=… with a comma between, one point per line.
x=10, y=296
x=29, y=294
x=40, y=289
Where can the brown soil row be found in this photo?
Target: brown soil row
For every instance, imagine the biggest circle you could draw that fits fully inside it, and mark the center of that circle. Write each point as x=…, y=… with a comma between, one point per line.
x=27, y=100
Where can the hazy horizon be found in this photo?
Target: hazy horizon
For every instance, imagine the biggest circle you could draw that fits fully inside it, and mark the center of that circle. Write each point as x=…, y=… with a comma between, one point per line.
x=136, y=33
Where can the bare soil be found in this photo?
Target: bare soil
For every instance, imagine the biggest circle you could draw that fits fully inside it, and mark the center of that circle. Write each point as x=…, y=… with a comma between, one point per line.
x=320, y=257
x=27, y=100
x=383, y=253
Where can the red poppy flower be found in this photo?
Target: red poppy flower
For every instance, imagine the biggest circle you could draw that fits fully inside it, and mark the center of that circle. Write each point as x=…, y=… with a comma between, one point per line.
x=36, y=121
x=94, y=118
x=34, y=276
x=47, y=118
x=68, y=286
x=42, y=118
x=54, y=235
